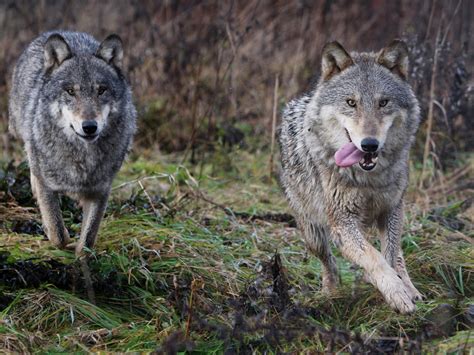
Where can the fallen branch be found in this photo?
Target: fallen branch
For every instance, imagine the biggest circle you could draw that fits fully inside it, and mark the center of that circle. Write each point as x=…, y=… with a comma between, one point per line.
x=268, y=216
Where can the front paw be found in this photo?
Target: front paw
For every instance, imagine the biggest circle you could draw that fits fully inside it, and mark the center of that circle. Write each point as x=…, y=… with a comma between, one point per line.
x=400, y=297
x=329, y=286
x=415, y=294
x=78, y=247
x=60, y=240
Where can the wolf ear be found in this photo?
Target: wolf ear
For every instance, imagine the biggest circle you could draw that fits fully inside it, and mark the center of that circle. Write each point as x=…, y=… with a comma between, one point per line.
x=111, y=50
x=56, y=51
x=395, y=58
x=334, y=60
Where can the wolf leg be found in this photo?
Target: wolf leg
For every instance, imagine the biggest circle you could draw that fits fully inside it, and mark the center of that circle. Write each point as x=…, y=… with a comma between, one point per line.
x=316, y=238
x=48, y=202
x=93, y=211
x=34, y=185
x=391, y=247
x=357, y=249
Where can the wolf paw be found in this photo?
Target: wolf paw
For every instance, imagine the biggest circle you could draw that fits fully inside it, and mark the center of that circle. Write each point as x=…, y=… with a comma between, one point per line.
x=418, y=296
x=415, y=294
x=71, y=246
x=60, y=241
x=401, y=298
x=78, y=247
x=329, y=289
x=329, y=284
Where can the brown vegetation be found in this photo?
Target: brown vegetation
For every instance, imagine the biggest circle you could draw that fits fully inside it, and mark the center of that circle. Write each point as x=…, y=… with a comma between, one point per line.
x=204, y=71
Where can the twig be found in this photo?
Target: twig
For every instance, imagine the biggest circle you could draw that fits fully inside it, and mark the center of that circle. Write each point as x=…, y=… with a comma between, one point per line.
x=194, y=285
x=430, y=20
x=155, y=211
x=231, y=41
x=450, y=22
x=452, y=178
x=269, y=216
x=443, y=111
x=135, y=181
x=274, y=117
x=463, y=237
x=438, y=45
x=430, y=109
x=20, y=276
x=201, y=196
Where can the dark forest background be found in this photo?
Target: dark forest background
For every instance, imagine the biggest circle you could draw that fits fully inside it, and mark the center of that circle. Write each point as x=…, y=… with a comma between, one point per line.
x=207, y=73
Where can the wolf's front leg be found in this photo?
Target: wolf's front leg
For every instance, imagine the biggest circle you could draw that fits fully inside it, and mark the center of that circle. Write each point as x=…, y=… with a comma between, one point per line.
x=93, y=211
x=317, y=241
x=391, y=247
x=48, y=202
x=356, y=248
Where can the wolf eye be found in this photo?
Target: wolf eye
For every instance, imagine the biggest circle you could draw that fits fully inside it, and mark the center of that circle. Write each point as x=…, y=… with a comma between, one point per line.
x=101, y=90
x=383, y=103
x=351, y=103
x=70, y=91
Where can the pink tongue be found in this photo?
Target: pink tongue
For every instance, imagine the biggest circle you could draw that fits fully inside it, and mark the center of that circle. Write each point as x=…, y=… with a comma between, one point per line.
x=348, y=155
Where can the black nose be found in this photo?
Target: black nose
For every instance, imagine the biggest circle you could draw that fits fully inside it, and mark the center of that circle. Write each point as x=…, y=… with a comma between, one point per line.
x=89, y=127
x=369, y=145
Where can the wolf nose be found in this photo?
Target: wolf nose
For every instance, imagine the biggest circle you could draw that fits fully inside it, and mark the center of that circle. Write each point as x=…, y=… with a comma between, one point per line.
x=89, y=127
x=369, y=145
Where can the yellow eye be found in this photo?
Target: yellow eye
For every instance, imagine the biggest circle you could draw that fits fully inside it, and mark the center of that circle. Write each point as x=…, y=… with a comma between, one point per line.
x=383, y=103
x=70, y=91
x=101, y=90
x=351, y=103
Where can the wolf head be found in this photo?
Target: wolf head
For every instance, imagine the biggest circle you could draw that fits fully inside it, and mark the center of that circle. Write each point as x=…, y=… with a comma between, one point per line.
x=83, y=89
x=363, y=99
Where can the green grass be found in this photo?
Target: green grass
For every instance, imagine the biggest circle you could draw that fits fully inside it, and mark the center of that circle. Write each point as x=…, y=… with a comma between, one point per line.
x=174, y=270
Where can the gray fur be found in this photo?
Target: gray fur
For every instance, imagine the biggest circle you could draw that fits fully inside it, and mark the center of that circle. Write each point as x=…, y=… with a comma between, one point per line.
x=346, y=205
x=61, y=161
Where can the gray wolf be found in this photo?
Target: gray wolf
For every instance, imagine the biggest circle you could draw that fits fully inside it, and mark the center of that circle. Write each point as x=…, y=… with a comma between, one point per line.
x=344, y=154
x=71, y=106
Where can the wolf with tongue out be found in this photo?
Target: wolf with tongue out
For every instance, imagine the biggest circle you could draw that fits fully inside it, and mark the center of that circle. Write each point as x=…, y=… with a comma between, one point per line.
x=344, y=154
